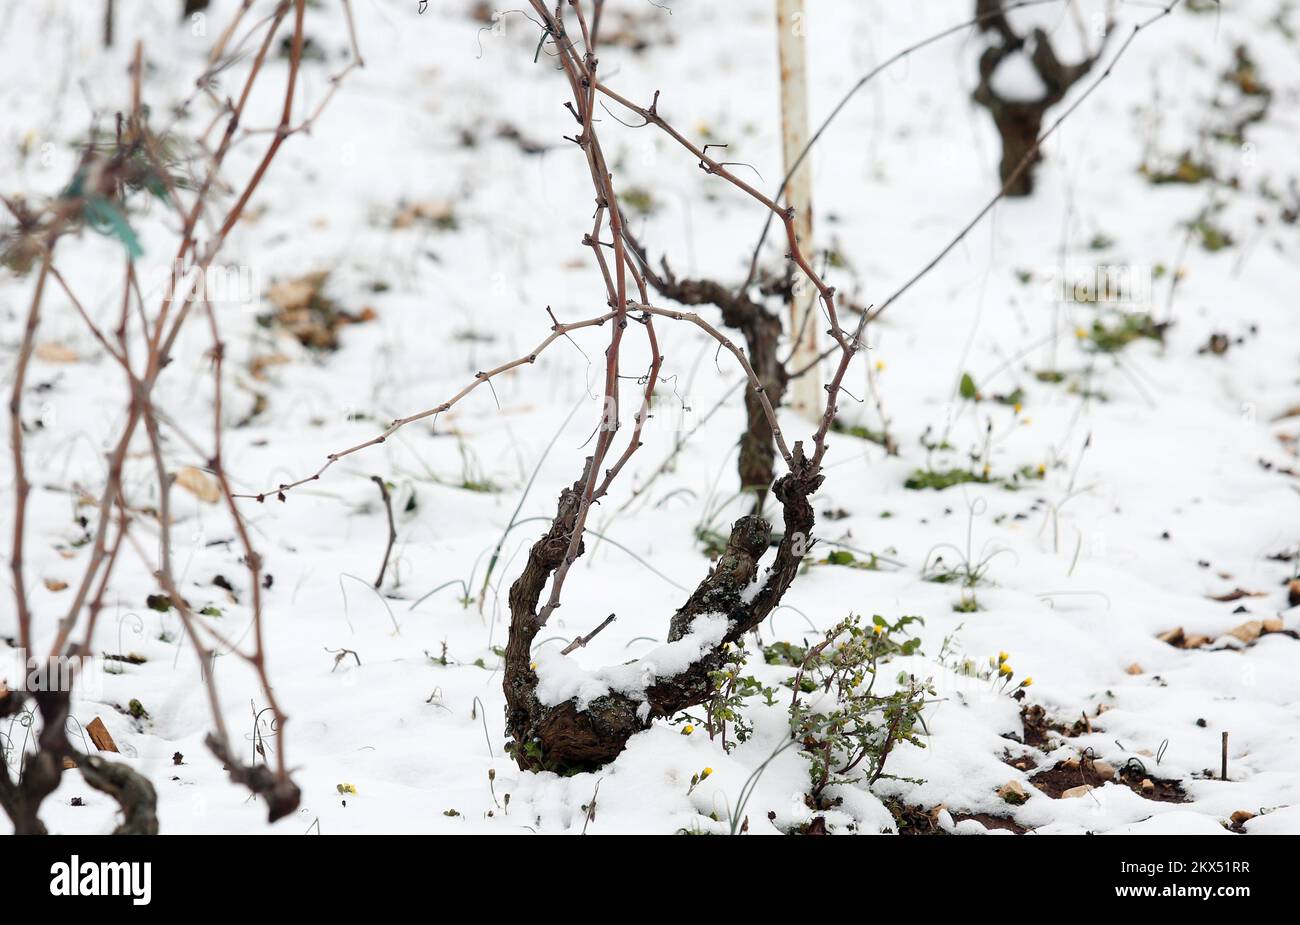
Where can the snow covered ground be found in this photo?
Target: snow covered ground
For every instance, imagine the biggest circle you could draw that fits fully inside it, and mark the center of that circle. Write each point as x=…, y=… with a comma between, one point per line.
x=1149, y=480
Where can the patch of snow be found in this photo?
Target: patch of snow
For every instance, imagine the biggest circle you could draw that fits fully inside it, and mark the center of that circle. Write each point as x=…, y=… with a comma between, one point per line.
x=561, y=678
x=1016, y=81
x=1178, y=822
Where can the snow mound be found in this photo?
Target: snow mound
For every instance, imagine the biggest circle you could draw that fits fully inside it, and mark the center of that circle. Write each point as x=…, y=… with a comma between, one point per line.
x=560, y=678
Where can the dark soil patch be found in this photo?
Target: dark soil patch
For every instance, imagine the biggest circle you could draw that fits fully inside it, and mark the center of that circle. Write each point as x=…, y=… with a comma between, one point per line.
x=1061, y=777
x=1034, y=720
x=1037, y=726
x=917, y=820
x=1019, y=762
x=990, y=821
x=1166, y=790
x=913, y=820
x=816, y=827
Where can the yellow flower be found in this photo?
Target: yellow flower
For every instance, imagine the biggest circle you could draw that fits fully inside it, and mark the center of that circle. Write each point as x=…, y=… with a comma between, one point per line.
x=1026, y=682
x=346, y=788
x=1080, y=333
x=1042, y=470
x=1017, y=407
x=1005, y=668
x=1002, y=657
x=705, y=773
x=877, y=629
x=687, y=729
x=880, y=366
x=532, y=666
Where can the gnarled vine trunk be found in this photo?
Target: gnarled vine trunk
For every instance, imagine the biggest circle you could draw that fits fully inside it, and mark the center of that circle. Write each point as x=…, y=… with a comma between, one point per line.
x=1019, y=126
x=1020, y=121
x=564, y=738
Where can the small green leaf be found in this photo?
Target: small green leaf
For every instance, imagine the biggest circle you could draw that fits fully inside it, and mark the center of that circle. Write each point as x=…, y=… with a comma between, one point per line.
x=968, y=390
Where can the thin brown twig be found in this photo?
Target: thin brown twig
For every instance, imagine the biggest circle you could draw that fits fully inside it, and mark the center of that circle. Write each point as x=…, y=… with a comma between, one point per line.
x=392, y=527
x=581, y=641
x=22, y=487
x=557, y=331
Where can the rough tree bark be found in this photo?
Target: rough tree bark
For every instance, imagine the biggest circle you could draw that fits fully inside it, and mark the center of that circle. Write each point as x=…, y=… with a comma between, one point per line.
x=1020, y=122
x=564, y=738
